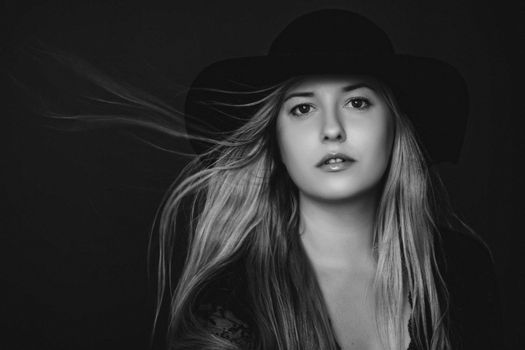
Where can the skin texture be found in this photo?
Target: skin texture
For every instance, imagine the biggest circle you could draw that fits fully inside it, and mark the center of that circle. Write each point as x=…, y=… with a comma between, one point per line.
x=328, y=122
x=338, y=208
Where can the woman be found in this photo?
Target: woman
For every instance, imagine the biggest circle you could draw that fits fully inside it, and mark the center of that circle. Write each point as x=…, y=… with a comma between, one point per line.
x=311, y=215
x=315, y=220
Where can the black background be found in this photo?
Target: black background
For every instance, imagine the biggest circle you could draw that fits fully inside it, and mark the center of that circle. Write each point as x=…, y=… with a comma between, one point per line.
x=78, y=207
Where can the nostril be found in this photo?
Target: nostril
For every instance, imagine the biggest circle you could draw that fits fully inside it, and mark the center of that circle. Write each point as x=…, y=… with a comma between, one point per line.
x=338, y=137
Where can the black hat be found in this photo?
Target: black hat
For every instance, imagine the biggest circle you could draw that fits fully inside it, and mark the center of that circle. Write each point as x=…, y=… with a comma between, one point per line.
x=431, y=92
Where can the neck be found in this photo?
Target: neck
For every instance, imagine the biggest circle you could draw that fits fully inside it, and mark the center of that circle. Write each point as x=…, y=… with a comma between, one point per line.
x=338, y=236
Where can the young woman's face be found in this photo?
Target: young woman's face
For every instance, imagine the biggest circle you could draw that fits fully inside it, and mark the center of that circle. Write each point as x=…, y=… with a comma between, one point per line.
x=335, y=117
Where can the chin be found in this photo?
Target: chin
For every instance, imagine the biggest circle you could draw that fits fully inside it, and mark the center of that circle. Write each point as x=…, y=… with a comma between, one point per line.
x=344, y=192
x=343, y=196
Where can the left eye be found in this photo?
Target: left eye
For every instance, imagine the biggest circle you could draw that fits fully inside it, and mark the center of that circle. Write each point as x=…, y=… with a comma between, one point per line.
x=359, y=103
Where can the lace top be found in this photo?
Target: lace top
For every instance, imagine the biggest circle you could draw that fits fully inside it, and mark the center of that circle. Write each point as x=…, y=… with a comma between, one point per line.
x=223, y=323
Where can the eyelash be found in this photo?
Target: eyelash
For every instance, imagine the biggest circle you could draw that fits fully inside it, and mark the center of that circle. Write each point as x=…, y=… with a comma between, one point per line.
x=362, y=99
x=349, y=101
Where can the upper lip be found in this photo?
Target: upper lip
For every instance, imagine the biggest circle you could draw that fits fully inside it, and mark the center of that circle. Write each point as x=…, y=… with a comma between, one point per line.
x=332, y=155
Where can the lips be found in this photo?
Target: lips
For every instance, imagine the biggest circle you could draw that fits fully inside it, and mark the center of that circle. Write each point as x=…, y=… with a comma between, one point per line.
x=329, y=156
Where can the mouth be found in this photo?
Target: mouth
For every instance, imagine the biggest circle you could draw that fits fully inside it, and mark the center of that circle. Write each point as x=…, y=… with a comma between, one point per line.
x=335, y=160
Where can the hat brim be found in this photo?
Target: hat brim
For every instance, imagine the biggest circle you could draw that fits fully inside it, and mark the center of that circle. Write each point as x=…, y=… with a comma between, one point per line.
x=432, y=93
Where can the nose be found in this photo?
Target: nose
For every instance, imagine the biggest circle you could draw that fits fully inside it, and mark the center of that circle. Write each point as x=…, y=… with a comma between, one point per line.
x=332, y=129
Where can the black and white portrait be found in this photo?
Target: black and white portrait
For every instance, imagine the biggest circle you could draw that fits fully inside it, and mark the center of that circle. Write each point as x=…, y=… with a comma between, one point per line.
x=334, y=175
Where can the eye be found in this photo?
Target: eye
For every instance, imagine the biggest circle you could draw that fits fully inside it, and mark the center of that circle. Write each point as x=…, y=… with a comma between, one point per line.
x=301, y=109
x=359, y=103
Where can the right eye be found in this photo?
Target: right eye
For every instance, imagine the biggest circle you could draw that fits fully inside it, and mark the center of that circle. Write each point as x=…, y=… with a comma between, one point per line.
x=301, y=109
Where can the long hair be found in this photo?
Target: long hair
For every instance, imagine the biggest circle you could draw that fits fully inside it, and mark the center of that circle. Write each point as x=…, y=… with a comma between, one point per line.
x=245, y=206
x=406, y=231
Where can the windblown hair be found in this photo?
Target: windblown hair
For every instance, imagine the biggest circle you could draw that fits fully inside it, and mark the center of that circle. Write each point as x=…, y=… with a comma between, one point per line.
x=246, y=206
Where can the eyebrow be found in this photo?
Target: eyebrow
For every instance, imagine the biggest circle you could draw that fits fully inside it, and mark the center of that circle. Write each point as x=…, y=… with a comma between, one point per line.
x=344, y=89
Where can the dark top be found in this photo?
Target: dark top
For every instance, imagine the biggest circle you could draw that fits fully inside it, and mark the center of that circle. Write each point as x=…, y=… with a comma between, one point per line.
x=468, y=271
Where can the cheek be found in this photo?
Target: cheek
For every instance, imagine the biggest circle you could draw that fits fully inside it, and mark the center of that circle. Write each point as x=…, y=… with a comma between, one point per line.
x=293, y=147
x=374, y=142
x=388, y=138
x=288, y=147
x=381, y=141
x=281, y=143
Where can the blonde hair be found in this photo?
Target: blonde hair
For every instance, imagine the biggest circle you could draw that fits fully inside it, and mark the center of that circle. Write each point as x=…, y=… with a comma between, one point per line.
x=243, y=210
x=243, y=174
x=405, y=235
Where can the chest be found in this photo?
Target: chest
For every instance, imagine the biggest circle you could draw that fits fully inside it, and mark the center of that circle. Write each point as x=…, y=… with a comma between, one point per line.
x=352, y=310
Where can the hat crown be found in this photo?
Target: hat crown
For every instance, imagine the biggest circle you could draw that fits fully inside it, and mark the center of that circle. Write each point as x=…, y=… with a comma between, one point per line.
x=332, y=32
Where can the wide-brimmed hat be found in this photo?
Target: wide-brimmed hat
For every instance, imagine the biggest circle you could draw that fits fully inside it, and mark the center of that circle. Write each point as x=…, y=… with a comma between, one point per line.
x=431, y=92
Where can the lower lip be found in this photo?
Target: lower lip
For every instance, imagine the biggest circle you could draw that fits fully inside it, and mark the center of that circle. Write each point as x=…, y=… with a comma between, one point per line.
x=337, y=166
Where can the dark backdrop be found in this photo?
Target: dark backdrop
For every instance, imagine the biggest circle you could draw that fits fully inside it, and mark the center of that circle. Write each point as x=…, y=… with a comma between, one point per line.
x=78, y=207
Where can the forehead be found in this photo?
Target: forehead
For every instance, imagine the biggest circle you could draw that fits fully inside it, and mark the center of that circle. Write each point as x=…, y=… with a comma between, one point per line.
x=314, y=82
